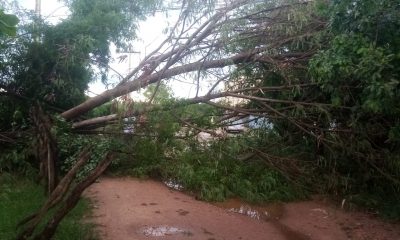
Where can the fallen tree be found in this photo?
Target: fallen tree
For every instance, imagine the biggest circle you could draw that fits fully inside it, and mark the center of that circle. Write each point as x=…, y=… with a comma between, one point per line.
x=272, y=57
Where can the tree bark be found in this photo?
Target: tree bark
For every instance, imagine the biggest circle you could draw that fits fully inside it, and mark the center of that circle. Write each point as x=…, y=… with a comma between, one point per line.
x=73, y=198
x=47, y=147
x=55, y=197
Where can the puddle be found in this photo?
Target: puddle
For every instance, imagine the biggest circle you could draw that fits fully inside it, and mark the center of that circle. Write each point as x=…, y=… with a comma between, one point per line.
x=174, y=185
x=161, y=231
x=271, y=211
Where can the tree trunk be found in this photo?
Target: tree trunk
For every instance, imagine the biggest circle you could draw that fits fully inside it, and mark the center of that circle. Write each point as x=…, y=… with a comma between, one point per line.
x=70, y=202
x=47, y=147
x=251, y=56
x=32, y=221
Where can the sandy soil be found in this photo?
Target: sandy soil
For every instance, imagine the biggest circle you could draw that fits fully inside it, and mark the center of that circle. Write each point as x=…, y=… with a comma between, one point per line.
x=126, y=208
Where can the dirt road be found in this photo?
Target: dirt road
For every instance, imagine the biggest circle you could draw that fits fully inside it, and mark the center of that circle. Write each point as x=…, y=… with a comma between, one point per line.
x=130, y=209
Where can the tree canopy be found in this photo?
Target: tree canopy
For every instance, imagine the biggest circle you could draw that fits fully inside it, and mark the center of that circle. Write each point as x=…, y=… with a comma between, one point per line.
x=324, y=74
x=319, y=79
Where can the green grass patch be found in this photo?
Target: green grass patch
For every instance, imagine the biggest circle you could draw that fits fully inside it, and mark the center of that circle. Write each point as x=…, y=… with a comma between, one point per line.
x=21, y=197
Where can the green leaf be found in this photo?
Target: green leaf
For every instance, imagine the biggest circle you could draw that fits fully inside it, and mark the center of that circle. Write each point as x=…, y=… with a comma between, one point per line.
x=8, y=24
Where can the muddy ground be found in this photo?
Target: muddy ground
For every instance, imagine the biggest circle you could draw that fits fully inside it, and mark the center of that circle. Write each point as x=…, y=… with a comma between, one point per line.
x=132, y=209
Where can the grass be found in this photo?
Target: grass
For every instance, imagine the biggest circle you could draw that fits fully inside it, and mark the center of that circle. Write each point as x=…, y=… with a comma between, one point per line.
x=21, y=197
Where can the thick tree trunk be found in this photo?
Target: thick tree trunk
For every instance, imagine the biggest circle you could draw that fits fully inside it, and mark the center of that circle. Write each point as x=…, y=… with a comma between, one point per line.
x=251, y=56
x=47, y=147
x=72, y=199
x=32, y=221
x=104, y=119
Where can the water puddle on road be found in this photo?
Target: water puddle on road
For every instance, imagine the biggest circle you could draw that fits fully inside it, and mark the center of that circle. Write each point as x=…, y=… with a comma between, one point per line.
x=161, y=231
x=270, y=212
x=174, y=185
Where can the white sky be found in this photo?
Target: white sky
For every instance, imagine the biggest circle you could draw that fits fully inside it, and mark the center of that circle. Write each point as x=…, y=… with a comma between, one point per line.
x=150, y=34
x=52, y=10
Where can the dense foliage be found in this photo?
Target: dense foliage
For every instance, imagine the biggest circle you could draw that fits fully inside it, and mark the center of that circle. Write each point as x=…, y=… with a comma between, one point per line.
x=360, y=71
x=322, y=91
x=346, y=117
x=54, y=64
x=339, y=126
x=46, y=66
x=212, y=169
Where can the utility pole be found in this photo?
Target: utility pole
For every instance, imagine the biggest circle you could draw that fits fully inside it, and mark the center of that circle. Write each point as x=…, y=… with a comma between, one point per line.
x=38, y=9
x=129, y=53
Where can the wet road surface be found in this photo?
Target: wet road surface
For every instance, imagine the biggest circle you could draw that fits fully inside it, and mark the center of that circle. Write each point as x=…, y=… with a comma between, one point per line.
x=132, y=209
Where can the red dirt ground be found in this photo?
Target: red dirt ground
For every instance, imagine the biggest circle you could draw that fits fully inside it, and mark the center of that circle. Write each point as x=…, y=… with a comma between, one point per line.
x=131, y=209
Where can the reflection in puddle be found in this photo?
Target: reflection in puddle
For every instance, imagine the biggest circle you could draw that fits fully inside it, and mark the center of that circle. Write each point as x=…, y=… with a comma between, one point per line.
x=160, y=231
x=271, y=212
x=266, y=212
x=245, y=210
x=174, y=185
